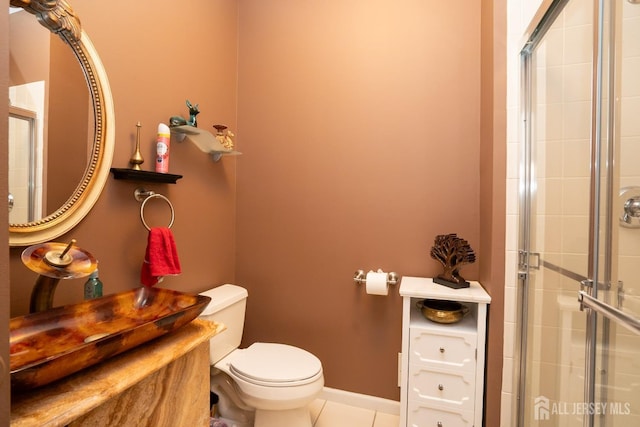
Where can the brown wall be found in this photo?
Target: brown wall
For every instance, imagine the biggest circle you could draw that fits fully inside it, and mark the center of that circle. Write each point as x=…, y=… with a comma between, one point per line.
x=155, y=59
x=492, y=189
x=30, y=49
x=69, y=119
x=4, y=233
x=360, y=124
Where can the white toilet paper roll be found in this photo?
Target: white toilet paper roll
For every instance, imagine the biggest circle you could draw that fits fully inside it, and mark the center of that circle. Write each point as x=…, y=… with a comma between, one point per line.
x=377, y=283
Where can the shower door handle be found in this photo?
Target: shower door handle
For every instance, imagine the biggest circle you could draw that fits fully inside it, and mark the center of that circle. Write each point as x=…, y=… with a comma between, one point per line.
x=586, y=283
x=586, y=287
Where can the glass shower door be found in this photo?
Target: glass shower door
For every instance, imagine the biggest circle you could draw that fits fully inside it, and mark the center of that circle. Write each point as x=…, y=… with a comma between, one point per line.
x=555, y=244
x=22, y=146
x=580, y=233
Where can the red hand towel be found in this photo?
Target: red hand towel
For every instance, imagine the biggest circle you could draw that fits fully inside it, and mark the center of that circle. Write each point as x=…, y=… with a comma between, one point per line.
x=161, y=257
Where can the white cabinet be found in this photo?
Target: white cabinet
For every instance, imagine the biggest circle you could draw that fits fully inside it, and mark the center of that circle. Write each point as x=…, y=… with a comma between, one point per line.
x=442, y=378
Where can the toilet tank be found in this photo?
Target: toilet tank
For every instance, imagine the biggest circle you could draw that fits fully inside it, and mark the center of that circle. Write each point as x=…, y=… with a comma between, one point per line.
x=227, y=306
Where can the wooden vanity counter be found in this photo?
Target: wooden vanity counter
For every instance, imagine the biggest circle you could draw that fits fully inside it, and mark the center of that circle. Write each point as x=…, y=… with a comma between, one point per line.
x=164, y=382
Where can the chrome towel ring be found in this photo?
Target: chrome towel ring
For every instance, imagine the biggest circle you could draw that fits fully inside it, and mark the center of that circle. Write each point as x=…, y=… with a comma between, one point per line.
x=144, y=196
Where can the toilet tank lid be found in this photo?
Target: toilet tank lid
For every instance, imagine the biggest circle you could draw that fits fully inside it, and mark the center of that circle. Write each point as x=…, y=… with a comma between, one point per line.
x=223, y=296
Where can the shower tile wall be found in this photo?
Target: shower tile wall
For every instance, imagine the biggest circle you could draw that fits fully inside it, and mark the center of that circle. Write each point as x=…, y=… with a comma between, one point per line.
x=519, y=14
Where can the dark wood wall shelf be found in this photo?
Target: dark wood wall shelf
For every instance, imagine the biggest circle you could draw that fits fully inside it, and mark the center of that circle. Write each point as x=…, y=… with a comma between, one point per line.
x=147, y=176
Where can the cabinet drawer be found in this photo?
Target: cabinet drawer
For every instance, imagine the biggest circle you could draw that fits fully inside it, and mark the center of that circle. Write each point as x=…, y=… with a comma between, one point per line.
x=448, y=351
x=449, y=389
x=420, y=415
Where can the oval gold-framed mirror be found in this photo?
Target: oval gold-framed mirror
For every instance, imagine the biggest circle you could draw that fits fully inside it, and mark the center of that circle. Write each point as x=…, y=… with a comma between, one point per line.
x=59, y=18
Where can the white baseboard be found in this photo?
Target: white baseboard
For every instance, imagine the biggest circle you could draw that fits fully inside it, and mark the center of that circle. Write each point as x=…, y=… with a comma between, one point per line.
x=361, y=400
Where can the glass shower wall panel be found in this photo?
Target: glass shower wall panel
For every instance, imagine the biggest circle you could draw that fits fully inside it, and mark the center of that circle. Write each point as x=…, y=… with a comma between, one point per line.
x=618, y=396
x=627, y=294
x=617, y=391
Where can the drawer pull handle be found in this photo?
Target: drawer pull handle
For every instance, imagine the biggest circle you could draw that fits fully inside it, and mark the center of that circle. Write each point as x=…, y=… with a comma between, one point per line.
x=439, y=424
x=441, y=351
x=440, y=387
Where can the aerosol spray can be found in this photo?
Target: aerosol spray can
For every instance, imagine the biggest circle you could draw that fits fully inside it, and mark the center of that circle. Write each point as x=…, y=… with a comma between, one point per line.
x=162, y=148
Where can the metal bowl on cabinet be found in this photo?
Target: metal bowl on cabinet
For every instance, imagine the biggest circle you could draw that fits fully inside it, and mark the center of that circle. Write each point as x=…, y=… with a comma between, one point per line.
x=442, y=311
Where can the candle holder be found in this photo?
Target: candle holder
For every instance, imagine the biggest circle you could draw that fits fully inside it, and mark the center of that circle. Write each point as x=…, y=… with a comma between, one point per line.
x=136, y=158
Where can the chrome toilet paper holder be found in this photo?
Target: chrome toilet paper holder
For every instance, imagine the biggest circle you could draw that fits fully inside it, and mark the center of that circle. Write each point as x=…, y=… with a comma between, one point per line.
x=360, y=277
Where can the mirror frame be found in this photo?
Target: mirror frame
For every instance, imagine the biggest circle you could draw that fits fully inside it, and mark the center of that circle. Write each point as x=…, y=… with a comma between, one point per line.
x=59, y=18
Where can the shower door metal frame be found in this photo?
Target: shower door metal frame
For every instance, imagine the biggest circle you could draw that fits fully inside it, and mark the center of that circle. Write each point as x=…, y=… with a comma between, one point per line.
x=547, y=13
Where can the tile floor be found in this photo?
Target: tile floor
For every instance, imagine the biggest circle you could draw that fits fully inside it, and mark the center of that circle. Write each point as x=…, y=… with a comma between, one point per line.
x=326, y=413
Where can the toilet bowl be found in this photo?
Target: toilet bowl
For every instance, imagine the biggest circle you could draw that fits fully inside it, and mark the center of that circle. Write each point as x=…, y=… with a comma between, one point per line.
x=277, y=381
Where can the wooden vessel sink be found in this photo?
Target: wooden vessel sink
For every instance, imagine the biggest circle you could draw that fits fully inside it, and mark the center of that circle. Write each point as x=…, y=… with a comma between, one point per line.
x=52, y=344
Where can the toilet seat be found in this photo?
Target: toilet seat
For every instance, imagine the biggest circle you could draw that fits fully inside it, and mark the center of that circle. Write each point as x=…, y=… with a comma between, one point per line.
x=275, y=365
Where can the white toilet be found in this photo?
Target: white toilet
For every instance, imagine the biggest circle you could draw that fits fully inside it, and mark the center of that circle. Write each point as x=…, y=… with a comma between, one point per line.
x=278, y=381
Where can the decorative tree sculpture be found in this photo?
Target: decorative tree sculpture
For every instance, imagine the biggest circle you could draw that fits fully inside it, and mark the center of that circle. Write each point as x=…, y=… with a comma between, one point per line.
x=452, y=252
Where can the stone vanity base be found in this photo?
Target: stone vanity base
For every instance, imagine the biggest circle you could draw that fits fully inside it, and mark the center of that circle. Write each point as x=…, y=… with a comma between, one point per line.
x=162, y=383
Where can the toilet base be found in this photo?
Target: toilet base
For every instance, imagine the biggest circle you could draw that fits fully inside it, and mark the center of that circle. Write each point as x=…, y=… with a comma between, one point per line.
x=299, y=417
